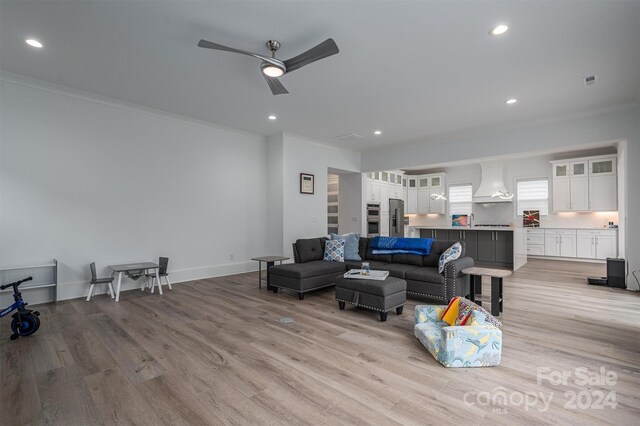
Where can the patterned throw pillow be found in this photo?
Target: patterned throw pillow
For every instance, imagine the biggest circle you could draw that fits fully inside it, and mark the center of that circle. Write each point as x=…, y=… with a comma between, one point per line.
x=452, y=253
x=489, y=319
x=334, y=250
x=475, y=318
x=351, y=245
x=464, y=311
x=451, y=313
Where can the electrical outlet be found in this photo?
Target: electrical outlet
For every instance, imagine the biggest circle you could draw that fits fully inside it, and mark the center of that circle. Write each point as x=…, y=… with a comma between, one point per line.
x=232, y=256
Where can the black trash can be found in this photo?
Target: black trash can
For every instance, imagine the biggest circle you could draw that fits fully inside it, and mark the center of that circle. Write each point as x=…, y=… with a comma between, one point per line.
x=616, y=272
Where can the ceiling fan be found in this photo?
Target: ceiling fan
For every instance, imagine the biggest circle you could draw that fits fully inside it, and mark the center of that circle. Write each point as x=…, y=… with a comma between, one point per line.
x=273, y=68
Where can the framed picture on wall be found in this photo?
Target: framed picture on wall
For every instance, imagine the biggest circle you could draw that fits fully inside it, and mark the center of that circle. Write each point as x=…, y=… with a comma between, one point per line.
x=531, y=218
x=306, y=183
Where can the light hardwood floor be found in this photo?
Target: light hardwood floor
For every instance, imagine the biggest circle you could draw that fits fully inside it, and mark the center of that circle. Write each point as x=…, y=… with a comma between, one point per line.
x=214, y=352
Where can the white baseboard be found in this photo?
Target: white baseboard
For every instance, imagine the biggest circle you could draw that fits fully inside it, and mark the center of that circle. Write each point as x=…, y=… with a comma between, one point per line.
x=79, y=289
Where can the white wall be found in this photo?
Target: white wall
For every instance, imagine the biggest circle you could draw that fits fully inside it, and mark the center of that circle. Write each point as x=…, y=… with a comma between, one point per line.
x=304, y=215
x=275, y=183
x=568, y=134
x=350, y=198
x=85, y=178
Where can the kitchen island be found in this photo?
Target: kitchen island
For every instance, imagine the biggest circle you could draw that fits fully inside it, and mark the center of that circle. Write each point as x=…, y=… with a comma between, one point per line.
x=495, y=246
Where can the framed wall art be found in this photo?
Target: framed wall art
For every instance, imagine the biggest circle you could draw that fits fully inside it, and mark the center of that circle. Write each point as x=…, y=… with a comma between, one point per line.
x=306, y=183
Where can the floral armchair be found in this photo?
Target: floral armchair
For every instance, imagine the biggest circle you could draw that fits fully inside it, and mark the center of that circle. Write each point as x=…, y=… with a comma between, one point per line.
x=457, y=346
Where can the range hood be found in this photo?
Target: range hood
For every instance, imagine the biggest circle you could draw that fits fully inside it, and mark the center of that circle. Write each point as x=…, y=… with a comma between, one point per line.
x=492, y=188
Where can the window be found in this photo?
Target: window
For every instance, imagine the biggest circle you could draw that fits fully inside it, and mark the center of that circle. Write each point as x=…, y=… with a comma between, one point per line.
x=460, y=199
x=533, y=194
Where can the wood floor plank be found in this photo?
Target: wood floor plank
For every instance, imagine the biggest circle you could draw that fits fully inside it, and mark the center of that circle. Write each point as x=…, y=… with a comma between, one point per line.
x=19, y=397
x=73, y=406
x=119, y=401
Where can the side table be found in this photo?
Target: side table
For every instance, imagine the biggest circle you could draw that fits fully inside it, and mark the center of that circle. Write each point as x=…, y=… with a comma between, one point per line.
x=270, y=261
x=475, y=286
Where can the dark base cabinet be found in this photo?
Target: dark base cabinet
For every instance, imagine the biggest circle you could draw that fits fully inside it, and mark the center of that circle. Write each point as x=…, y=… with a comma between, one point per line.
x=436, y=234
x=470, y=239
x=495, y=248
x=486, y=247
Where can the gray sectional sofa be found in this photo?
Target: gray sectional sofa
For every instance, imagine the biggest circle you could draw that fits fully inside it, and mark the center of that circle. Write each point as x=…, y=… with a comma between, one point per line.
x=310, y=272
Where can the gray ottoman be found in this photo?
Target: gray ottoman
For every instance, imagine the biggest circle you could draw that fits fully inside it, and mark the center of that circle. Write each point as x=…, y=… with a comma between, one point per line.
x=381, y=296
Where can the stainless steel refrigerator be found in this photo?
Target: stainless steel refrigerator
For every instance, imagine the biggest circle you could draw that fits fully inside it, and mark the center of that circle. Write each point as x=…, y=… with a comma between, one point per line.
x=396, y=217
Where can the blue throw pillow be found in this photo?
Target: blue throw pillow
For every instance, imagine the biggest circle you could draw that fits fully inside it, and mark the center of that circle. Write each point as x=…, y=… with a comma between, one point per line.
x=351, y=245
x=334, y=251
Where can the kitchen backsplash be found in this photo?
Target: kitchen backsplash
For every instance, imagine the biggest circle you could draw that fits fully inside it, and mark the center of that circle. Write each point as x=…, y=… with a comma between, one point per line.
x=502, y=214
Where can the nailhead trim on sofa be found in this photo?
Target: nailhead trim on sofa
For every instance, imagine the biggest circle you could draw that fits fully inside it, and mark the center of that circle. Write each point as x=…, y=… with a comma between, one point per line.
x=428, y=295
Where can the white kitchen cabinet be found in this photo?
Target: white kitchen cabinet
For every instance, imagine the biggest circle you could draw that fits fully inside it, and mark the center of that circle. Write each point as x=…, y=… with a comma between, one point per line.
x=384, y=197
x=423, y=200
x=560, y=170
x=552, y=245
x=568, y=245
x=585, y=184
x=579, y=194
x=372, y=191
x=429, y=185
x=405, y=193
x=597, y=244
x=586, y=245
x=602, y=166
x=535, y=241
x=603, y=193
x=437, y=205
x=606, y=246
x=560, y=242
x=412, y=196
x=561, y=195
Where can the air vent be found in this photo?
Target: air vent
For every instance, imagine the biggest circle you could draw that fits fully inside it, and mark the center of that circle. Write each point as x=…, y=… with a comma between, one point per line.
x=589, y=80
x=350, y=137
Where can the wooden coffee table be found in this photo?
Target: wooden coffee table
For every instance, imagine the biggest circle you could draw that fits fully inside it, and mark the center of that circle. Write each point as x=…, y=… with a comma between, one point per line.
x=475, y=286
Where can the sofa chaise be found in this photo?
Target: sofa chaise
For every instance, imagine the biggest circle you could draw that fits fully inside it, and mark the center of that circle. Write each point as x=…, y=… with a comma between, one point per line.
x=309, y=272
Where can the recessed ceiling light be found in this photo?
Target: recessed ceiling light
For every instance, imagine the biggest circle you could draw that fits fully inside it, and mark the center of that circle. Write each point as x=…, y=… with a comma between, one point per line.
x=377, y=132
x=499, y=29
x=511, y=101
x=33, y=43
x=272, y=117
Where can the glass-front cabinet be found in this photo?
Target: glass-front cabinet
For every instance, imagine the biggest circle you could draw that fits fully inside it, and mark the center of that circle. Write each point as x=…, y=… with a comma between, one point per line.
x=560, y=170
x=604, y=167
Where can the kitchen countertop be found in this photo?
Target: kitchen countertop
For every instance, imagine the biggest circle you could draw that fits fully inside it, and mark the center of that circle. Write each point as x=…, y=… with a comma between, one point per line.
x=473, y=228
x=504, y=228
x=579, y=229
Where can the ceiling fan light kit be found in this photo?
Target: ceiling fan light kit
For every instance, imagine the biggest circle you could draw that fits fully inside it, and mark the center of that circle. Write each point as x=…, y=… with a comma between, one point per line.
x=273, y=68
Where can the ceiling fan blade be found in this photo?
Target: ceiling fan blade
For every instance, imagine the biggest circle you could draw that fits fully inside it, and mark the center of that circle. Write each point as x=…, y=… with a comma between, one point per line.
x=211, y=45
x=321, y=51
x=274, y=84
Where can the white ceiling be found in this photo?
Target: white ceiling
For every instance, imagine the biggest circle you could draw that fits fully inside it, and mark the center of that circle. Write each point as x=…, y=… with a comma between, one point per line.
x=412, y=69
